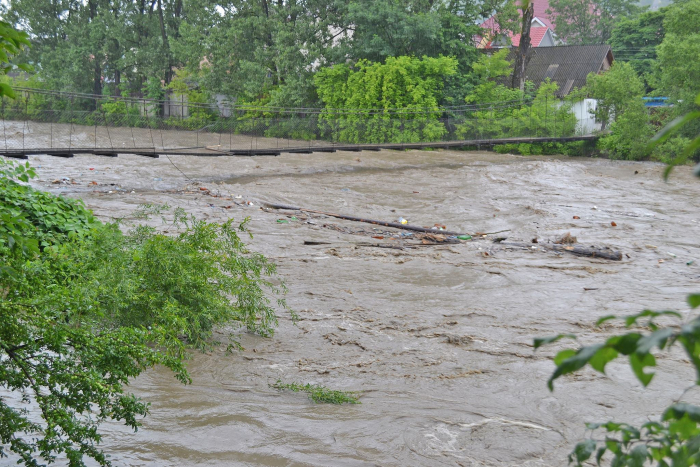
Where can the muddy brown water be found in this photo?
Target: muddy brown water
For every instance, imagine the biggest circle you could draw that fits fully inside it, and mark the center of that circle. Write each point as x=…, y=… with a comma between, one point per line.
x=438, y=340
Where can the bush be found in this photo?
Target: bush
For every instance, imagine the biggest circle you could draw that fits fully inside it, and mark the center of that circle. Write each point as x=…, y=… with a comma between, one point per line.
x=574, y=148
x=94, y=307
x=543, y=115
x=629, y=135
x=670, y=150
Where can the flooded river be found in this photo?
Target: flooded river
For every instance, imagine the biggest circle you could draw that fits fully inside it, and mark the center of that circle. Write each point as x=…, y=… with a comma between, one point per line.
x=438, y=340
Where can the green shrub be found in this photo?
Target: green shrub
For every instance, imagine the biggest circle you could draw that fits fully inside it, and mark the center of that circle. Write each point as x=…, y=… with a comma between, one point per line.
x=630, y=135
x=574, y=148
x=670, y=150
x=95, y=307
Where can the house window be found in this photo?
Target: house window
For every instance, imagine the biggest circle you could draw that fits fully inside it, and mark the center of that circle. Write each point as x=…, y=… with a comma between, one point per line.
x=567, y=87
x=551, y=71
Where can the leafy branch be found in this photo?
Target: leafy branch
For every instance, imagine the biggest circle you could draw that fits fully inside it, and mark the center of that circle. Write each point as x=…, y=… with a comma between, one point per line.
x=676, y=436
x=673, y=440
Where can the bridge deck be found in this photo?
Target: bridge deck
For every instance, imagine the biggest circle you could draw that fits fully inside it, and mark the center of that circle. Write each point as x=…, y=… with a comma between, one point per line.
x=207, y=152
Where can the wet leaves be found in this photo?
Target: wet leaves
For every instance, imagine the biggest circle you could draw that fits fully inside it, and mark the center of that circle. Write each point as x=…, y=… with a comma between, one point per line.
x=636, y=346
x=540, y=341
x=694, y=300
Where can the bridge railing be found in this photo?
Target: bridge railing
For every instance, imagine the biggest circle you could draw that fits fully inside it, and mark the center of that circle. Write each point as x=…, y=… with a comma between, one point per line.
x=44, y=121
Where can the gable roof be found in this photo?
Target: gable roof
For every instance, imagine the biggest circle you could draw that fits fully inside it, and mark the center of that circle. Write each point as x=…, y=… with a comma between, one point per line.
x=567, y=65
x=541, y=7
x=540, y=14
x=536, y=36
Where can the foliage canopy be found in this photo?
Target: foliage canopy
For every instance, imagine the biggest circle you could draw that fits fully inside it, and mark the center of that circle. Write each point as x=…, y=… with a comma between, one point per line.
x=397, y=101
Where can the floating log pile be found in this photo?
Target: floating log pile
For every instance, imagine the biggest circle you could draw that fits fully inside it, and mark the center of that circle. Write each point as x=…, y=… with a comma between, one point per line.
x=578, y=250
x=394, y=225
x=432, y=237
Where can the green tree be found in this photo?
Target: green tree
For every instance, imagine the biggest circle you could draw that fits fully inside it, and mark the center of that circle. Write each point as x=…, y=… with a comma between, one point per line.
x=392, y=28
x=620, y=109
x=587, y=22
x=489, y=73
x=616, y=91
x=397, y=101
x=84, y=308
x=678, y=72
x=99, y=46
x=513, y=113
x=635, y=39
x=630, y=134
x=260, y=51
x=675, y=74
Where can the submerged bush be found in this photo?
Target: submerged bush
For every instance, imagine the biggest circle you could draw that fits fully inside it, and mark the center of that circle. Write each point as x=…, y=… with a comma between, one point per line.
x=85, y=307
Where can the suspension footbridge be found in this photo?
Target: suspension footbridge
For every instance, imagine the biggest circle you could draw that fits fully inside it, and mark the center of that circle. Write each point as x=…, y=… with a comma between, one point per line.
x=40, y=122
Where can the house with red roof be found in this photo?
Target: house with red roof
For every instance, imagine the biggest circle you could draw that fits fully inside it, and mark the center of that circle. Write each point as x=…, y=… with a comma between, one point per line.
x=540, y=36
x=541, y=32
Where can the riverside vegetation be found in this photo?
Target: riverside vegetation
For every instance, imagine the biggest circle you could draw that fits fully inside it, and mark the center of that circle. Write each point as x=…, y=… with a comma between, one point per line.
x=86, y=307
x=400, y=65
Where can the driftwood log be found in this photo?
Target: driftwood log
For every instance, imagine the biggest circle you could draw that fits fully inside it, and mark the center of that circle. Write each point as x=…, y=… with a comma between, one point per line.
x=578, y=250
x=395, y=225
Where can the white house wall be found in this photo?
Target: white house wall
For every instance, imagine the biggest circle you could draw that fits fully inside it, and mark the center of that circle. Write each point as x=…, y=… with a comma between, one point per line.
x=586, y=123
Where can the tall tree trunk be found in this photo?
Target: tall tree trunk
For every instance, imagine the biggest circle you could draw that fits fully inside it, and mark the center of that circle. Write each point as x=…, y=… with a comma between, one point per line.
x=97, y=84
x=177, y=14
x=166, y=44
x=522, y=57
x=269, y=41
x=98, y=78
x=117, y=79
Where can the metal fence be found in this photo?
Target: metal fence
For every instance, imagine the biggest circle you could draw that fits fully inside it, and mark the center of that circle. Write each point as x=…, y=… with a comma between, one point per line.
x=44, y=120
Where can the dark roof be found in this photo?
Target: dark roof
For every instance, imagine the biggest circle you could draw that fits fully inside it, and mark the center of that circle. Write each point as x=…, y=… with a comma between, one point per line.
x=567, y=65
